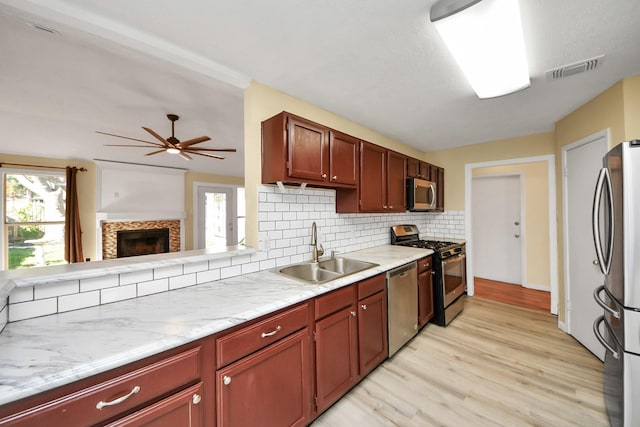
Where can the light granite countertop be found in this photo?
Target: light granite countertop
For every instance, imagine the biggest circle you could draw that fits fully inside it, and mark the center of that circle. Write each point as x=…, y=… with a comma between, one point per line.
x=46, y=352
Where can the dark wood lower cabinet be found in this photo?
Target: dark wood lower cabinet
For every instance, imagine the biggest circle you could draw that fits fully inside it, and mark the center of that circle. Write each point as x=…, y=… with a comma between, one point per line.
x=269, y=388
x=425, y=291
x=372, y=332
x=336, y=356
x=184, y=409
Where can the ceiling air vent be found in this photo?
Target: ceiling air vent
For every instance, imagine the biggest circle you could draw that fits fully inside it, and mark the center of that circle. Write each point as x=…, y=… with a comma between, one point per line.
x=575, y=68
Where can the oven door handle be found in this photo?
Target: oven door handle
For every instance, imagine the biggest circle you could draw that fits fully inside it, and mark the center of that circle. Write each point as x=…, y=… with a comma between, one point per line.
x=605, y=344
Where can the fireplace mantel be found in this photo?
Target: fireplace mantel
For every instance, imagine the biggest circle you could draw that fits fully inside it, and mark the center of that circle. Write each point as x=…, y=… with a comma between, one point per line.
x=140, y=216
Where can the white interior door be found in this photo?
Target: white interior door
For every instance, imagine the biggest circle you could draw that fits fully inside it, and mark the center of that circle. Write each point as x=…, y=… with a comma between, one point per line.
x=216, y=217
x=582, y=161
x=497, y=231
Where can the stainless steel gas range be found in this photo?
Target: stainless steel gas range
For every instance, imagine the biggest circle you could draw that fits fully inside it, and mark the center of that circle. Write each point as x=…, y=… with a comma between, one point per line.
x=449, y=269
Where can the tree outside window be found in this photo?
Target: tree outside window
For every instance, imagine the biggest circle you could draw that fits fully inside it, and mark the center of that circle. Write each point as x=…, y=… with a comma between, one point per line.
x=34, y=219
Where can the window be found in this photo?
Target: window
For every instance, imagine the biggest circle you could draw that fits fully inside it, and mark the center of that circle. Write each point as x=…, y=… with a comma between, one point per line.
x=34, y=211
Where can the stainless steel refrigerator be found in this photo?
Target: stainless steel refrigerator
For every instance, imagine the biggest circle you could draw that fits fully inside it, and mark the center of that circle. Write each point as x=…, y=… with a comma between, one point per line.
x=616, y=232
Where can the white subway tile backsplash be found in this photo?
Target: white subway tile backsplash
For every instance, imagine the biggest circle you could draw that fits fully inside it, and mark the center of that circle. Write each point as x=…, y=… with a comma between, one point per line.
x=77, y=301
x=30, y=309
x=57, y=289
x=227, y=272
x=135, y=277
x=250, y=267
x=153, y=287
x=267, y=264
x=218, y=263
x=118, y=294
x=96, y=283
x=195, y=267
x=239, y=260
x=208, y=276
x=169, y=271
x=21, y=295
x=182, y=281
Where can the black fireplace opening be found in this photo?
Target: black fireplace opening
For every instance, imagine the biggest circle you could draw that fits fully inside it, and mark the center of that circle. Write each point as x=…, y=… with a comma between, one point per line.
x=142, y=242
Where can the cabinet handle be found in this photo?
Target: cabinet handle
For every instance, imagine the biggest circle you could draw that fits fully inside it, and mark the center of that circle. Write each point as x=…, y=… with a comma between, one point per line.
x=196, y=399
x=272, y=333
x=353, y=313
x=226, y=380
x=324, y=176
x=384, y=207
x=121, y=399
x=433, y=273
x=364, y=306
x=334, y=177
x=391, y=207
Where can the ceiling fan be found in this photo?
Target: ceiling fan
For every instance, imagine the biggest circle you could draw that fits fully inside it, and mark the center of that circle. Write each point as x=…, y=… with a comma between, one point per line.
x=172, y=144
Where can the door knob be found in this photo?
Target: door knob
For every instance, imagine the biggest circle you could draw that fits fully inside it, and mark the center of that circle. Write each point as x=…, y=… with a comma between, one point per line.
x=517, y=235
x=516, y=223
x=595, y=262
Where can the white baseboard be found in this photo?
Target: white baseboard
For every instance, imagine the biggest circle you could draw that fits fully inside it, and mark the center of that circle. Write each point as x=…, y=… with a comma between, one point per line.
x=562, y=326
x=535, y=287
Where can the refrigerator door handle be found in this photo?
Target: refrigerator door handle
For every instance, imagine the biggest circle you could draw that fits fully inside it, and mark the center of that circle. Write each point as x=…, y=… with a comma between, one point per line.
x=605, y=344
x=603, y=177
x=601, y=303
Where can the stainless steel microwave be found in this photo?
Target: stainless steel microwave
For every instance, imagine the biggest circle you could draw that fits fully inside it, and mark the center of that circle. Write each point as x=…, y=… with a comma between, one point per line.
x=421, y=195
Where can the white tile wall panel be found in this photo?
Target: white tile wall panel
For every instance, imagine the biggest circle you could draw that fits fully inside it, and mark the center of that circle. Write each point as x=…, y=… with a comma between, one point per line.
x=208, y=276
x=182, y=281
x=153, y=287
x=21, y=295
x=31, y=309
x=227, y=272
x=118, y=294
x=135, y=277
x=268, y=264
x=57, y=289
x=195, y=267
x=239, y=260
x=169, y=271
x=96, y=283
x=218, y=263
x=77, y=301
x=250, y=267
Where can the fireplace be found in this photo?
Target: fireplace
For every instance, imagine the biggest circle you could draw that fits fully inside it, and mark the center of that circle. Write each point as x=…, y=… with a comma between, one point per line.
x=142, y=242
x=111, y=232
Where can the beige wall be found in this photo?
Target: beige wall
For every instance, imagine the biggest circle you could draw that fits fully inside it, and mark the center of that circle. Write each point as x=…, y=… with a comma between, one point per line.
x=454, y=160
x=536, y=215
x=631, y=94
x=262, y=102
x=190, y=178
x=86, y=193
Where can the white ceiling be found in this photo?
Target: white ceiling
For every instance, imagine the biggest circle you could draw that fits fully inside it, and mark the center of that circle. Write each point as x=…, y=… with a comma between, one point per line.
x=118, y=65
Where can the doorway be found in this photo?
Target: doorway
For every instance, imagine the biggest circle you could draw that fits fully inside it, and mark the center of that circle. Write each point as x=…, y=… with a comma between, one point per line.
x=581, y=162
x=497, y=232
x=547, y=246
x=216, y=216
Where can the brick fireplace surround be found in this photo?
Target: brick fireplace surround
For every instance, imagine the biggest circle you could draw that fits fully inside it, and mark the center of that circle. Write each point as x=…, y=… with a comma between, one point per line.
x=110, y=234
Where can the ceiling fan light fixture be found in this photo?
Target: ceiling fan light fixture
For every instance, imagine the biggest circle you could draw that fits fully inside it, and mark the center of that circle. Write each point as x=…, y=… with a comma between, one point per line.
x=173, y=150
x=486, y=39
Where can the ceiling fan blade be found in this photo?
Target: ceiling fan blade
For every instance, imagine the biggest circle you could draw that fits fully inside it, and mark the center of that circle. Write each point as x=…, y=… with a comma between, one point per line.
x=158, y=137
x=126, y=137
x=213, y=156
x=185, y=156
x=155, y=152
x=198, y=140
x=229, y=150
x=128, y=145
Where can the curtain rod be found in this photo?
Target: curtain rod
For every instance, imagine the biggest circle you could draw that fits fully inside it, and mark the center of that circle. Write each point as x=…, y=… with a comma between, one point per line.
x=39, y=166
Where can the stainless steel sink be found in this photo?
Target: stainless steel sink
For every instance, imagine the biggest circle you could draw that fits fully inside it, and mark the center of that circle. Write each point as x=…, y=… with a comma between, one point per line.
x=325, y=270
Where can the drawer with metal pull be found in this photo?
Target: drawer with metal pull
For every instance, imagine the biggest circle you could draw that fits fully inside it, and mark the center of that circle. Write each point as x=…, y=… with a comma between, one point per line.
x=424, y=264
x=115, y=397
x=238, y=344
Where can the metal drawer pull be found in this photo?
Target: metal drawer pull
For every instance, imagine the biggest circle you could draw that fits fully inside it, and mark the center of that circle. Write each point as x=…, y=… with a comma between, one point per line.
x=196, y=398
x=226, y=380
x=335, y=177
x=133, y=391
x=364, y=306
x=353, y=313
x=324, y=175
x=272, y=333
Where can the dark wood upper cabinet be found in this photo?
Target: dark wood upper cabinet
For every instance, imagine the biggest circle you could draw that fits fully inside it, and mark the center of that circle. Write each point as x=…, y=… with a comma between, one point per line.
x=424, y=171
x=439, y=189
x=297, y=150
x=373, y=178
x=413, y=168
x=344, y=158
x=396, y=182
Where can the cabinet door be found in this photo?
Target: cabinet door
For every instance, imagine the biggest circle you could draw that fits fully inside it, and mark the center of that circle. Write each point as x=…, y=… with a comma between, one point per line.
x=181, y=409
x=413, y=167
x=424, y=171
x=343, y=158
x=372, y=332
x=269, y=388
x=336, y=356
x=396, y=182
x=440, y=190
x=425, y=297
x=373, y=178
x=308, y=150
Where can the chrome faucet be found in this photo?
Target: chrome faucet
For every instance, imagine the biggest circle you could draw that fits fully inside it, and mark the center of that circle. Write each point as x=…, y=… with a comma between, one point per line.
x=316, y=253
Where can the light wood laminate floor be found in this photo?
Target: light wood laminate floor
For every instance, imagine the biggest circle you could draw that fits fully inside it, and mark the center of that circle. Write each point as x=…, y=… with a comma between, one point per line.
x=494, y=365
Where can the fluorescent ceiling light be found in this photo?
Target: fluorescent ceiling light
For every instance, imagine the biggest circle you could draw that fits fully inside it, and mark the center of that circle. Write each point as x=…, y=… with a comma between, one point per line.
x=485, y=38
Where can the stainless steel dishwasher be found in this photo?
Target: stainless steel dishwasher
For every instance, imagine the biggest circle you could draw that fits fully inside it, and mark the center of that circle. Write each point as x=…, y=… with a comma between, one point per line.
x=402, y=300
